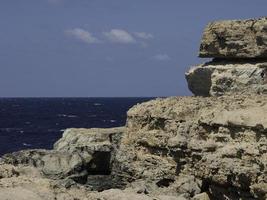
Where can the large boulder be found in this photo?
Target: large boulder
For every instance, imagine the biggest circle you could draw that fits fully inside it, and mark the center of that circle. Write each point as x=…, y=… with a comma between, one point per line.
x=235, y=39
x=96, y=146
x=78, y=154
x=217, y=78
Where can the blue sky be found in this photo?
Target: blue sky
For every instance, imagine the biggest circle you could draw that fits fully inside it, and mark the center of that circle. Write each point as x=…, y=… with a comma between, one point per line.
x=106, y=48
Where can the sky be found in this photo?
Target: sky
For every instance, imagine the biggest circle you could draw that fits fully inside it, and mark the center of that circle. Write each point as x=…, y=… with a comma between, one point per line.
x=106, y=48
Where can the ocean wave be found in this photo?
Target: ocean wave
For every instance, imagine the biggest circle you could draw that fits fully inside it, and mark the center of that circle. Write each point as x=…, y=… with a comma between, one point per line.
x=26, y=144
x=12, y=129
x=69, y=116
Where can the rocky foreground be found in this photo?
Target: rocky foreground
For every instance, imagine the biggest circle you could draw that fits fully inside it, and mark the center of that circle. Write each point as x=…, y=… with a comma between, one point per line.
x=178, y=148
x=174, y=148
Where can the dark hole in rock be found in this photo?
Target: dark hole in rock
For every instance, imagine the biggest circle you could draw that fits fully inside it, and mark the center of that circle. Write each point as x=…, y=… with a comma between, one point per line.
x=244, y=181
x=260, y=41
x=100, y=164
x=262, y=74
x=205, y=185
x=164, y=182
x=221, y=40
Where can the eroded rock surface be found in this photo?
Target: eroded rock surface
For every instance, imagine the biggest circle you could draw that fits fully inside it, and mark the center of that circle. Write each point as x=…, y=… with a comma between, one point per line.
x=27, y=183
x=81, y=156
x=173, y=148
x=221, y=77
x=235, y=39
x=192, y=145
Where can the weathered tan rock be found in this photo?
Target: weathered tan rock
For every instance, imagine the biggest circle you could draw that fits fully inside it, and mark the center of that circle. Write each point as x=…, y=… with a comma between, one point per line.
x=95, y=139
x=32, y=186
x=7, y=171
x=173, y=148
x=201, y=196
x=221, y=142
x=78, y=154
x=228, y=77
x=123, y=195
x=235, y=39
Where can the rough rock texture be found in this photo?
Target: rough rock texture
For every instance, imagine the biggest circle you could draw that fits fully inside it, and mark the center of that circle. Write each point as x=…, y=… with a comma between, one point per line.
x=192, y=145
x=81, y=156
x=173, y=148
x=235, y=39
x=217, y=78
x=25, y=183
x=183, y=148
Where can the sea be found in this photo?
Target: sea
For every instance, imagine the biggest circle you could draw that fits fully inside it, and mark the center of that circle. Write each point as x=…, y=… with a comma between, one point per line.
x=31, y=123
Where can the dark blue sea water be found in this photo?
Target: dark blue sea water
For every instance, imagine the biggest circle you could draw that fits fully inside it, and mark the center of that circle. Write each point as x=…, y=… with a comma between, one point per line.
x=39, y=122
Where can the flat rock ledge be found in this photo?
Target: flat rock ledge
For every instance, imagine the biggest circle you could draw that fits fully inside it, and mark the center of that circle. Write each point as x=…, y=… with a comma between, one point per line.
x=222, y=77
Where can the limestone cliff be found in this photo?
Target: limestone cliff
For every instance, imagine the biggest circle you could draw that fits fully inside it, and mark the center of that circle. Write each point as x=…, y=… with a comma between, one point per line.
x=177, y=148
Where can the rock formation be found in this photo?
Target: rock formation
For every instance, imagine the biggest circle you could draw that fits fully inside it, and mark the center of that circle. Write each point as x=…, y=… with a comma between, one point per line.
x=220, y=77
x=235, y=39
x=177, y=148
x=239, y=49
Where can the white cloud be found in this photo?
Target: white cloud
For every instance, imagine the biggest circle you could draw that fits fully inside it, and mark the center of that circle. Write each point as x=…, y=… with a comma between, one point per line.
x=144, y=35
x=82, y=35
x=119, y=36
x=161, y=57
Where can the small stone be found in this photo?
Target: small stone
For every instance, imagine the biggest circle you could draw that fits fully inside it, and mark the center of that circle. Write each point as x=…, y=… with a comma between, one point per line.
x=202, y=196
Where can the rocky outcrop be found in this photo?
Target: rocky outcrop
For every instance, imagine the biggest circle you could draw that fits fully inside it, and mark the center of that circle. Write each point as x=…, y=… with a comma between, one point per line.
x=235, y=39
x=25, y=183
x=239, y=49
x=82, y=156
x=208, y=144
x=183, y=148
x=217, y=78
x=76, y=169
x=173, y=148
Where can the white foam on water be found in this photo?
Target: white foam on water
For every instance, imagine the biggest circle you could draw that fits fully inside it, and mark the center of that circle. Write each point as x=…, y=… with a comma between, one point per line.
x=26, y=144
x=64, y=115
